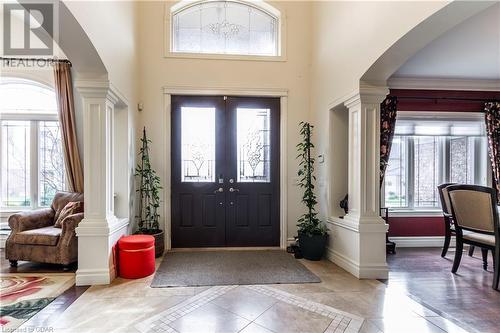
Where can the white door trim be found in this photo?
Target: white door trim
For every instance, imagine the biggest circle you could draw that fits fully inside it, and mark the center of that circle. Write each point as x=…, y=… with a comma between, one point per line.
x=208, y=91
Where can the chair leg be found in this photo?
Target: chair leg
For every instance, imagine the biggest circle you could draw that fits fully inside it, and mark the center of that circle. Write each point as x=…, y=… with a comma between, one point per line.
x=458, y=255
x=496, y=264
x=471, y=250
x=13, y=263
x=484, y=252
x=447, y=238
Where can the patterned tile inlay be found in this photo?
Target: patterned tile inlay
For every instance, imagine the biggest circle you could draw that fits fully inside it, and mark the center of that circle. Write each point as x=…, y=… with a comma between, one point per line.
x=341, y=321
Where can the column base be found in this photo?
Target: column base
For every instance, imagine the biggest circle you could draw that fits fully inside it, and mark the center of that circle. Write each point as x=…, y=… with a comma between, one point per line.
x=357, y=244
x=96, y=239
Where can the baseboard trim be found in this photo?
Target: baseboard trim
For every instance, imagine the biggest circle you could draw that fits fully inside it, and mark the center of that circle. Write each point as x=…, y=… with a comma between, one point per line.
x=425, y=241
x=361, y=272
x=90, y=277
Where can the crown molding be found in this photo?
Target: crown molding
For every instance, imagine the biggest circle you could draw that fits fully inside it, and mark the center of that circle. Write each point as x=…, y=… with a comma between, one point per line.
x=443, y=84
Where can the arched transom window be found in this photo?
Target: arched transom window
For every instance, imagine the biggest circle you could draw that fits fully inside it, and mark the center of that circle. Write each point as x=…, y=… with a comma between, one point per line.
x=225, y=27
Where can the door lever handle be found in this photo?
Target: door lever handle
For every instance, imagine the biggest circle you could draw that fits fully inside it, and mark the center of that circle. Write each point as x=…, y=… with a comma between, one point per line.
x=220, y=189
x=233, y=189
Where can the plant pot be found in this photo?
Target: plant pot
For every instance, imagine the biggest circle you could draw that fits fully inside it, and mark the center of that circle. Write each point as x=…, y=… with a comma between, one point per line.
x=159, y=243
x=312, y=247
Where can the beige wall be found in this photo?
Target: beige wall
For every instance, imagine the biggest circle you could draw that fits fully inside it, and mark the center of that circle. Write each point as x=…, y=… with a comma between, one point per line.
x=347, y=38
x=293, y=74
x=112, y=26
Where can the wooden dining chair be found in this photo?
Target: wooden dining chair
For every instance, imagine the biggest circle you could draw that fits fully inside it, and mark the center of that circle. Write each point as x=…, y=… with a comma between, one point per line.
x=449, y=227
x=476, y=222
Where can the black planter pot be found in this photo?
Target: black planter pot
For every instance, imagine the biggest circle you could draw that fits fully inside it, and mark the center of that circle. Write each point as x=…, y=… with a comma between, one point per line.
x=312, y=247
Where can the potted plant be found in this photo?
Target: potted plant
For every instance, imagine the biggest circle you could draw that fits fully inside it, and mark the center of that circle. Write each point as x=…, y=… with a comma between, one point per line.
x=149, y=198
x=313, y=233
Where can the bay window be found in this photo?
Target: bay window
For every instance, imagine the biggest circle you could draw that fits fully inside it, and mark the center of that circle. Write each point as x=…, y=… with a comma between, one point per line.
x=428, y=151
x=32, y=166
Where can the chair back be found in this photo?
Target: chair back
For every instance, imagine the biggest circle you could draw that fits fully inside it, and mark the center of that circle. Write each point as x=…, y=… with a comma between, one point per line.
x=445, y=198
x=474, y=208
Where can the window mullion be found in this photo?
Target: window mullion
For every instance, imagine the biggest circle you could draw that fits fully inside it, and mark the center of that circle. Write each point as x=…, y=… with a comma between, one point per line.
x=445, y=160
x=34, y=163
x=411, y=172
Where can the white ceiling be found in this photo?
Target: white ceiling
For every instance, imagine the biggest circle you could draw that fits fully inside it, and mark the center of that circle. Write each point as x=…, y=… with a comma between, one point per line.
x=471, y=50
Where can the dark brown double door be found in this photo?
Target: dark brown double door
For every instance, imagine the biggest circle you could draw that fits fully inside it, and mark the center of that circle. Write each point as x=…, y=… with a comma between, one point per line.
x=225, y=171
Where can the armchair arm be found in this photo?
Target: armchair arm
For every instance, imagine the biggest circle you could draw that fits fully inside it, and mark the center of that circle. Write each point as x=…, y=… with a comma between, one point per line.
x=31, y=219
x=69, y=225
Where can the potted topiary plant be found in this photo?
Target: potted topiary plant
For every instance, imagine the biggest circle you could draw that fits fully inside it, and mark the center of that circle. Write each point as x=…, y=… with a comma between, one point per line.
x=313, y=233
x=149, y=198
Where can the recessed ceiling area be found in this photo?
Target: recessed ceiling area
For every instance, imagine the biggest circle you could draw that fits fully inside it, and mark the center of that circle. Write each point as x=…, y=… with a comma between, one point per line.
x=470, y=51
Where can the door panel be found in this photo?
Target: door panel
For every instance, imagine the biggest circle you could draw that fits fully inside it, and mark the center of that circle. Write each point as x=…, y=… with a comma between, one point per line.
x=253, y=164
x=197, y=159
x=225, y=171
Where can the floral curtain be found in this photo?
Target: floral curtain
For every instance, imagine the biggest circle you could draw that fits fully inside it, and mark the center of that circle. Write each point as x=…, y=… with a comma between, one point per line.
x=388, y=110
x=492, y=117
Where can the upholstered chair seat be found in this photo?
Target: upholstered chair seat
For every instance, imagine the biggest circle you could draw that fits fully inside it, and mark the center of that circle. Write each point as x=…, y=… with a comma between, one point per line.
x=35, y=236
x=480, y=238
x=41, y=236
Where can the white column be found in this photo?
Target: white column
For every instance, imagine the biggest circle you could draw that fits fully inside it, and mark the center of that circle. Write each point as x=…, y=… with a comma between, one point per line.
x=367, y=249
x=100, y=229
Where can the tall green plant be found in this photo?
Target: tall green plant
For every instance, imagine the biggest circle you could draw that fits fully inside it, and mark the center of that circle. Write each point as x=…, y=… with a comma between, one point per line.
x=308, y=223
x=149, y=191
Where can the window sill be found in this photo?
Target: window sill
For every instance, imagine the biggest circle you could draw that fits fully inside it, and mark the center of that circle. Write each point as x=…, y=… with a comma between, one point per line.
x=415, y=213
x=215, y=56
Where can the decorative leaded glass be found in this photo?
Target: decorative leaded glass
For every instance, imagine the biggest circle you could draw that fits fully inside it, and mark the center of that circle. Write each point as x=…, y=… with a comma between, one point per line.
x=198, y=144
x=254, y=144
x=225, y=27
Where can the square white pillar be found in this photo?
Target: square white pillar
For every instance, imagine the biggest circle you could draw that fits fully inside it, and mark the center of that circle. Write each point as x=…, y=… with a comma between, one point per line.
x=359, y=244
x=100, y=229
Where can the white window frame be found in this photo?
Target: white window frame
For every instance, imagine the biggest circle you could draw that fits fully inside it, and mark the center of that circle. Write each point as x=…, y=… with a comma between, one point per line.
x=34, y=150
x=172, y=8
x=480, y=145
x=34, y=119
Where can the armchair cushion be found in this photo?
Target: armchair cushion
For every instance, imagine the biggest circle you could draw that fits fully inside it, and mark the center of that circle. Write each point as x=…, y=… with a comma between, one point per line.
x=42, y=236
x=31, y=219
x=70, y=209
x=61, y=199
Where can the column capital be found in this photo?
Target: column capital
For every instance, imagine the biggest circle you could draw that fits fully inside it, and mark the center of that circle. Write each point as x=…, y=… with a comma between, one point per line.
x=98, y=89
x=367, y=94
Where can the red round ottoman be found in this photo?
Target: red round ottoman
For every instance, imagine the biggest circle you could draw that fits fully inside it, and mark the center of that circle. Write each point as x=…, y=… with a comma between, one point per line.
x=136, y=257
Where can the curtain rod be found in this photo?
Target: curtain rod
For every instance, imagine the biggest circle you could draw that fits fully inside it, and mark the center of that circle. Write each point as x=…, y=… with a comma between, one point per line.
x=50, y=60
x=449, y=98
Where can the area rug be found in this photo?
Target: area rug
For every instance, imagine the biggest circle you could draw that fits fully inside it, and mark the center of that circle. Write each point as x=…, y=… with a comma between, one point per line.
x=24, y=295
x=181, y=269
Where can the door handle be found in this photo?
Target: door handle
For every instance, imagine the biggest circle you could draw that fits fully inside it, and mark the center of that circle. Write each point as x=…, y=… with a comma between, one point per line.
x=220, y=189
x=233, y=189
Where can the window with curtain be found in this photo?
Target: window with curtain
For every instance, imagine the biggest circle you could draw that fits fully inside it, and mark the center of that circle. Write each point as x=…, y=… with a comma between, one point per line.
x=32, y=166
x=429, y=151
x=225, y=27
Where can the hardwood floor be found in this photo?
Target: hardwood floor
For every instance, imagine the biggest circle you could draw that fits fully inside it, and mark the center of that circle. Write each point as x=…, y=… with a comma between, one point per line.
x=466, y=297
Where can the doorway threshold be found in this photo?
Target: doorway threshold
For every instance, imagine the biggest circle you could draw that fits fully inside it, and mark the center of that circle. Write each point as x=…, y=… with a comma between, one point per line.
x=208, y=249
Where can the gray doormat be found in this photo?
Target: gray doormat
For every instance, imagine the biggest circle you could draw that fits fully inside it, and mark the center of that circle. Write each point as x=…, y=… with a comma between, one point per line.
x=181, y=269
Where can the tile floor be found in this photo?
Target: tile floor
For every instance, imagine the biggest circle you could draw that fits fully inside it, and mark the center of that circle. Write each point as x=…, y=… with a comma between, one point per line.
x=340, y=303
